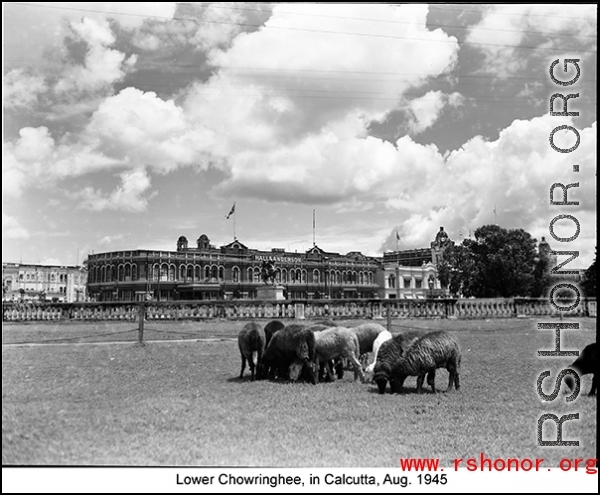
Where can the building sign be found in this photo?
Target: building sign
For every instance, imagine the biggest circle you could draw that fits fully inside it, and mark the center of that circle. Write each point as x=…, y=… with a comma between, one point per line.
x=278, y=259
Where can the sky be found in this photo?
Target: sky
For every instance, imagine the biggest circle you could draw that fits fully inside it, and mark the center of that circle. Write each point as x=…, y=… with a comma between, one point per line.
x=128, y=125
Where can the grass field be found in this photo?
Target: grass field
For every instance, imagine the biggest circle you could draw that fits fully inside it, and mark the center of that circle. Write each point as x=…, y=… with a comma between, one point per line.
x=180, y=402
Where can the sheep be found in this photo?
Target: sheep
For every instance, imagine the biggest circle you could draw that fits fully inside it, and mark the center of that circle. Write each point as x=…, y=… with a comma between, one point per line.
x=389, y=352
x=271, y=328
x=251, y=341
x=288, y=344
x=586, y=363
x=338, y=342
x=367, y=333
x=434, y=350
x=381, y=338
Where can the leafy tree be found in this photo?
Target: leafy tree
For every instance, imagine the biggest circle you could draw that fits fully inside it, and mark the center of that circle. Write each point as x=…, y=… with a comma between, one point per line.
x=497, y=263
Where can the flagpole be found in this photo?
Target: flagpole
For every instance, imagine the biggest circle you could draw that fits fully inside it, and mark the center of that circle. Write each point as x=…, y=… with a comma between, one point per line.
x=314, y=244
x=234, y=214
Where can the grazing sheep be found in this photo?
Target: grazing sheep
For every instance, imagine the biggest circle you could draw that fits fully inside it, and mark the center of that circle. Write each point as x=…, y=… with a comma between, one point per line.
x=586, y=363
x=271, y=328
x=367, y=333
x=338, y=342
x=288, y=344
x=381, y=338
x=435, y=350
x=391, y=351
x=251, y=341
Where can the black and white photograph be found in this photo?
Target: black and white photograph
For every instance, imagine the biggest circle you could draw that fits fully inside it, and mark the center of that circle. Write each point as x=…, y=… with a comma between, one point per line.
x=299, y=247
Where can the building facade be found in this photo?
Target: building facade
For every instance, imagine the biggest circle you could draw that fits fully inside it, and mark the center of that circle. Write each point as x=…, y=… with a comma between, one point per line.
x=412, y=274
x=233, y=271
x=43, y=282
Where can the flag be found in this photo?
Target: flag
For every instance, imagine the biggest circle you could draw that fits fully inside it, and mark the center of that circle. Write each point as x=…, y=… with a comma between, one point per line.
x=397, y=236
x=231, y=212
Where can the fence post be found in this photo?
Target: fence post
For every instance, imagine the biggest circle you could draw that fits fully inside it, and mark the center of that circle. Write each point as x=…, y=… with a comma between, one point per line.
x=389, y=317
x=141, y=318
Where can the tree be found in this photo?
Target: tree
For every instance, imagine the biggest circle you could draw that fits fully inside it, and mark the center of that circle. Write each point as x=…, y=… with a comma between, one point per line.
x=457, y=270
x=588, y=282
x=497, y=263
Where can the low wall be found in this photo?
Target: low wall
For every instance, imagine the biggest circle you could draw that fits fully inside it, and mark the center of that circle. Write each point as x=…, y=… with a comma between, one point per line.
x=305, y=309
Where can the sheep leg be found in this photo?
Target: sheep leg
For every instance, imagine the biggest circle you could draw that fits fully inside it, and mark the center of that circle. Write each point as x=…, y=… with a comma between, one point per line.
x=358, y=372
x=594, y=385
x=431, y=380
x=397, y=384
x=243, y=366
x=453, y=370
x=420, y=380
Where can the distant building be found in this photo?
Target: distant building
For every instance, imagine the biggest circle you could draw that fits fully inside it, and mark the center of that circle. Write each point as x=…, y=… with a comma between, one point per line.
x=43, y=282
x=412, y=274
x=233, y=271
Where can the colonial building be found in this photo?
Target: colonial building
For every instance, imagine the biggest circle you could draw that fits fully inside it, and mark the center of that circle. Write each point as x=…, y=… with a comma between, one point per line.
x=43, y=282
x=412, y=274
x=233, y=271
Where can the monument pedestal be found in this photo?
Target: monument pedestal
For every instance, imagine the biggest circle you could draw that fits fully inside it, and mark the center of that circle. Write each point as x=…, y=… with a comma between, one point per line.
x=270, y=292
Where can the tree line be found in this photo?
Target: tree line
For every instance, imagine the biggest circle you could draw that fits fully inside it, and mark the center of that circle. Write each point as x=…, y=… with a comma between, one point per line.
x=502, y=262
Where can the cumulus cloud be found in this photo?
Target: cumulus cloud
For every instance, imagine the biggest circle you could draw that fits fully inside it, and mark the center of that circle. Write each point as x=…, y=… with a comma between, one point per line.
x=201, y=26
x=503, y=27
x=36, y=160
x=425, y=111
x=512, y=174
x=129, y=196
x=102, y=67
x=12, y=229
x=22, y=89
x=140, y=129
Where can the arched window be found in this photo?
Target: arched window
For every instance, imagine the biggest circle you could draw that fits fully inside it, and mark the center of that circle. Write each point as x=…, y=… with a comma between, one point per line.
x=207, y=272
x=235, y=274
x=198, y=271
x=164, y=272
x=182, y=272
x=190, y=273
x=316, y=278
x=214, y=273
x=304, y=276
x=392, y=281
x=284, y=276
x=128, y=272
x=250, y=274
x=221, y=274
x=134, y=272
x=171, y=273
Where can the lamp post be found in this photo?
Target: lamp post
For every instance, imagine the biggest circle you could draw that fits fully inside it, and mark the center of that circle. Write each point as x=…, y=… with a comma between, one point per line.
x=431, y=282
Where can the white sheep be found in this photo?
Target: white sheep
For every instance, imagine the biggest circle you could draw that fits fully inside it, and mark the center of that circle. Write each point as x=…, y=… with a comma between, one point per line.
x=381, y=338
x=338, y=342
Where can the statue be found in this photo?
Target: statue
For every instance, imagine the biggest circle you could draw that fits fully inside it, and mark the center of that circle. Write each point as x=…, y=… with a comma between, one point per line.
x=267, y=272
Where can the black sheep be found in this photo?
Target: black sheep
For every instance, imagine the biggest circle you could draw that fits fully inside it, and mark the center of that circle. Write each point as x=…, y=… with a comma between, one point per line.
x=435, y=350
x=389, y=352
x=286, y=346
x=586, y=363
x=251, y=341
x=272, y=327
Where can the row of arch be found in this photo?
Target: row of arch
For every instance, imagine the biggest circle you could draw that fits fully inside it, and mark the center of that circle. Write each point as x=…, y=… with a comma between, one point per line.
x=216, y=273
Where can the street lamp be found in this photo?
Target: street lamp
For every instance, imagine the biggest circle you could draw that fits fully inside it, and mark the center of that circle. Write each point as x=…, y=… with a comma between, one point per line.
x=431, y=282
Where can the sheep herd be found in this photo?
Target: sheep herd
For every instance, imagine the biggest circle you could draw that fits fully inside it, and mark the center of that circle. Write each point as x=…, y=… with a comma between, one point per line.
x=320, y=351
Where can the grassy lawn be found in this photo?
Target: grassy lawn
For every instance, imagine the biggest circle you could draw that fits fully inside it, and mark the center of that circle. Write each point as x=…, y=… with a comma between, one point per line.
x=181, y=402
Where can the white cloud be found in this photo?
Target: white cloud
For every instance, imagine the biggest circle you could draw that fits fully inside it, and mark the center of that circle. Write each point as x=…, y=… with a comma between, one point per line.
x=505, y=26
x=103, y=66
x=426, y=110
x=128, y=196
x=12, y=229
x=36, y=160
x=513, y=175
x=21, y=89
